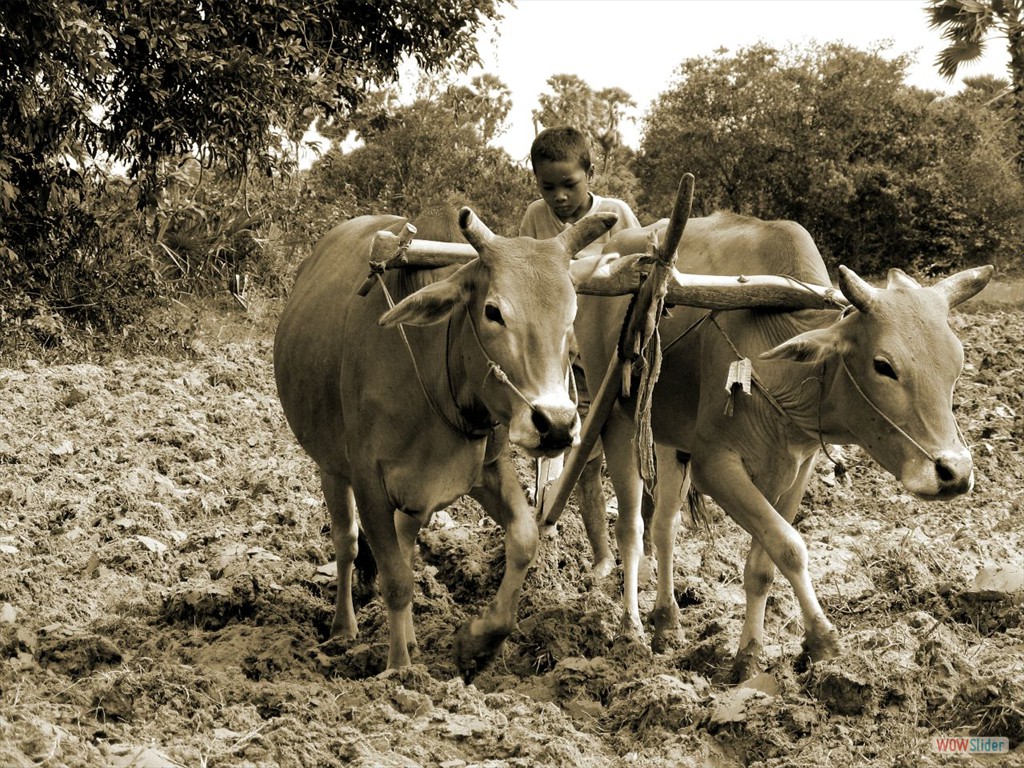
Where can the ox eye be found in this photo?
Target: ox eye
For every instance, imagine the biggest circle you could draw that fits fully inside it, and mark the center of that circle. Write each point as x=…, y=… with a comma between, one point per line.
x=492, y=313
x=884, y=368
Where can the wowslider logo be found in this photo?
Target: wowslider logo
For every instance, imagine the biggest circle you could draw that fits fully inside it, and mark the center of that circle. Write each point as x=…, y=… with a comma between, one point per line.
x=971, y=745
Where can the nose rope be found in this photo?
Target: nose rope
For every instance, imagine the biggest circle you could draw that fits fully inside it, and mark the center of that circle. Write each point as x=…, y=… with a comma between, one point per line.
x=434, y=405
x=890, y=422
x=493, y=369
x=759, y=385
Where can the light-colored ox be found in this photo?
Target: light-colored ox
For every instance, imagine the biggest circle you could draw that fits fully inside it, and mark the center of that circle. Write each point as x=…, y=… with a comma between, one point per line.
x=879, y=375
x=400, y=431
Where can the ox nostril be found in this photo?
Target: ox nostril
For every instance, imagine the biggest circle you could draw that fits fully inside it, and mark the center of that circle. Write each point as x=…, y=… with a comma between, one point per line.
x=945, y=473
x=541, y=422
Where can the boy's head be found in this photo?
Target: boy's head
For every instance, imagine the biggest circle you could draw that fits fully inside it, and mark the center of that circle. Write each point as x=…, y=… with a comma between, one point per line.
x=562, y=167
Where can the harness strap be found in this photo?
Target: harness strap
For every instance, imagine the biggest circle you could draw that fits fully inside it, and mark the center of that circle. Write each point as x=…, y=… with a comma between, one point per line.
x=754, y=378
x=472, y=433
x=890, y=422
x=759, y=384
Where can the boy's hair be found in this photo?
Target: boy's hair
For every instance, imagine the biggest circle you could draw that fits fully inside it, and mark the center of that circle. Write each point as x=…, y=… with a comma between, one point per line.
x=560, y=144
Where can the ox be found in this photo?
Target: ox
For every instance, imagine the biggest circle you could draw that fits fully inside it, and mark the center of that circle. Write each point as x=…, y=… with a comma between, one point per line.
x=402, y=422
x=879, y=375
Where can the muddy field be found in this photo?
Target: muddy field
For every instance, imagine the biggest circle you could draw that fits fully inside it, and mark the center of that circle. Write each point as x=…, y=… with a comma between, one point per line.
x=166, y=585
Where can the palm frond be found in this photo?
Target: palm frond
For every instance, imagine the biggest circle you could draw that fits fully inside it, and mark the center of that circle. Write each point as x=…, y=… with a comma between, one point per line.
x=951, y=57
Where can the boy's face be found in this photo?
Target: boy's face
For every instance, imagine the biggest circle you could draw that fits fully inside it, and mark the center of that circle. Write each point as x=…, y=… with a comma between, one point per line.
x=565, y=187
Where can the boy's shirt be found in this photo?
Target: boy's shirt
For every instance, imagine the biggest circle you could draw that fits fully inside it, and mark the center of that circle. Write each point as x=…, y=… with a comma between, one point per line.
x=540, y=221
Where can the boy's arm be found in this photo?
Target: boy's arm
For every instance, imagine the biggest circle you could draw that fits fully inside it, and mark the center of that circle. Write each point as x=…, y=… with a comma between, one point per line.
x=627, y=219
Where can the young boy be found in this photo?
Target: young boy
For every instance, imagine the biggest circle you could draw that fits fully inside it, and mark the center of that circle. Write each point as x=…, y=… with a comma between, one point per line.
x=561, y=164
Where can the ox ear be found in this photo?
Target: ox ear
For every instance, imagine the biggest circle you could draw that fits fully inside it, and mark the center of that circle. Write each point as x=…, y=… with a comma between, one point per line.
x=809, y=347
x=897, y=278
x=430, y=304
x=960, y=287
x=585, y=231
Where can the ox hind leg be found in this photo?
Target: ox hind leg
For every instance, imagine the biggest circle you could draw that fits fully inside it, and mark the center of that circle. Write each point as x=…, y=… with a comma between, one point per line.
x=820, y=638
x=629, y=526
x=775, y=544
x=501, y=496
x=389, y=535
x=344, y=534
x=671, y=490
x=590, y=497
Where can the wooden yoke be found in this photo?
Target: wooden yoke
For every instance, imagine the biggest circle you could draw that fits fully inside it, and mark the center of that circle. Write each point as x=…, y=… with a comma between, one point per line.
x=390, y=251
x=641, y=330
x=655, y=280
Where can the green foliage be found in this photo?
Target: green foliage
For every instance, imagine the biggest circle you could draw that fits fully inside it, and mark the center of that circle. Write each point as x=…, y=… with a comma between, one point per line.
x=880, y=173
x=422, y=155
x=86, y=83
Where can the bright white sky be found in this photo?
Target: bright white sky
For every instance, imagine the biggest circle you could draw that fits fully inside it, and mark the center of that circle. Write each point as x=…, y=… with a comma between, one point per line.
x=637, y=45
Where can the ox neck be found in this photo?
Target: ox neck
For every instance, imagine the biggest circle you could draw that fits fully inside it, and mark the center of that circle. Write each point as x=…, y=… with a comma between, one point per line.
x=472, y=417
x=805, y=393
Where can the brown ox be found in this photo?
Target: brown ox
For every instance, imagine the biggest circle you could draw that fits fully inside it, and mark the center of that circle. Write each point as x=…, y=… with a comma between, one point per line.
x=401, y=431
x=880, y=375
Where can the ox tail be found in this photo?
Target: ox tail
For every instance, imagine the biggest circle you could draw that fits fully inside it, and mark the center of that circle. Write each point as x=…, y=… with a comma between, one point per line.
x=700, y=515
x=365, y=569
x=697, y=502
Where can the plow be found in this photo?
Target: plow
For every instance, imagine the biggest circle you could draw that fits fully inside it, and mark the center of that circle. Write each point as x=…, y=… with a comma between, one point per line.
x=649, y=275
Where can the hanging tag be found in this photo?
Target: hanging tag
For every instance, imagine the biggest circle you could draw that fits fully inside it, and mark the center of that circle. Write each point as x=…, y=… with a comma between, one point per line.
x=739, y=374
x=737, y=380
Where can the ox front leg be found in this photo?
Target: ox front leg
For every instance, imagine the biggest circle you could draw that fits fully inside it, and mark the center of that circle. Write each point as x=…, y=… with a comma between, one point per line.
x=344, y=534
x=821, y=641
x=775, y=544
x=502, y=498
x=396, y=575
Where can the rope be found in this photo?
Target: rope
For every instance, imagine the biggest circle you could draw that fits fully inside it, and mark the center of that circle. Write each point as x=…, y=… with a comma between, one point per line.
x=494, y=369
x=759, y=384
x=890, y=422
x=651, y=356
x=434, y=405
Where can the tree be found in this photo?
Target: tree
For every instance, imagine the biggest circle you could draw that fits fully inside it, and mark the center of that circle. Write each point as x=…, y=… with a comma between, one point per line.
x=484, y=103
x=420, y=155
x=966, y=26
x=140, y=82
x=879, y=172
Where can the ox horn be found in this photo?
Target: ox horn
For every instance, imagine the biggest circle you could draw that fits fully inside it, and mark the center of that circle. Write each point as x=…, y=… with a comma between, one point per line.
x=858, y=291
x=475, y=231
x=897, y=278
x=960, y=287
x=586, y=230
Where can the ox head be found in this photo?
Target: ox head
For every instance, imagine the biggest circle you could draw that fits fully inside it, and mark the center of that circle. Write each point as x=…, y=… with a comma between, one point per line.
x=896, y=361
x=520, y=305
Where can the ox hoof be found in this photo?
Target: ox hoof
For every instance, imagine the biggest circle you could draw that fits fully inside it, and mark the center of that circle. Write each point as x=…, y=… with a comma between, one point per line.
x=749, y=662
x=666, y=628
x=602, y=569
x=473, y=652
x=632, y=628
x=821, y=641
x=548, y=531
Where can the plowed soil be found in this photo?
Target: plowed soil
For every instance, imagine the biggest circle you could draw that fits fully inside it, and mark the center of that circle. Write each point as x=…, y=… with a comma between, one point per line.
x=166, y=587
